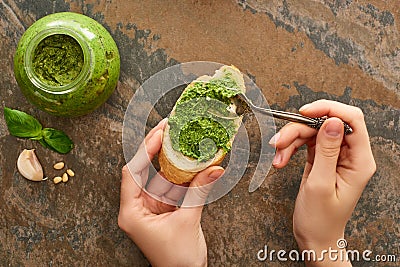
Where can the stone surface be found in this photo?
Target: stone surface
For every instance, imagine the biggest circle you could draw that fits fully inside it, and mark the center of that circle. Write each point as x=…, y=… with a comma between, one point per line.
x=296, y=50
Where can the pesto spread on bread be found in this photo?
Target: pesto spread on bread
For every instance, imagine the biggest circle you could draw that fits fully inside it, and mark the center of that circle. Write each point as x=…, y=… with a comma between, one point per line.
x=195, y=130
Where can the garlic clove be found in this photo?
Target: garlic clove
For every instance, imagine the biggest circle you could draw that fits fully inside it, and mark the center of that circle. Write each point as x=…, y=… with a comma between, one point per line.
x=29, y=166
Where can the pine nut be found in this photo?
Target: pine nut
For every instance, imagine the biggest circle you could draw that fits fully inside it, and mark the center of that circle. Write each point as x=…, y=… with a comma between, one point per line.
x=59, y=165
x=57, y=179
x=65, y=178
x=70, y=172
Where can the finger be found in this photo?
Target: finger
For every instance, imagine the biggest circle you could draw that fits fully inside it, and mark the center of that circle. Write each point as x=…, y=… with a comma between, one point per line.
x=287, y=141
x=359, y=139
x=165, y=191
x=160, y=126
x=130, y=190
x=198, y=191
x=282, y=156
x=158, y=185
x=158, y=205
x=327, y=150
x=147, y=150
x=290, y=132
x=176, y=193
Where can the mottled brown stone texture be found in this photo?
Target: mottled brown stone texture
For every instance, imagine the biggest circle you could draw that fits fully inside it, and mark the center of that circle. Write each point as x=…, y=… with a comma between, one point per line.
x=297, y=51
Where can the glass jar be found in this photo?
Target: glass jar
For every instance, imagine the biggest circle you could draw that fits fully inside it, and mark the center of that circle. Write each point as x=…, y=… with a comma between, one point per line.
x=67, y=64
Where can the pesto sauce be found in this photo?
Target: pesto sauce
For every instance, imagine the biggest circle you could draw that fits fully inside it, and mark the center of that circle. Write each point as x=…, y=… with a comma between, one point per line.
x=193, y=130
x=58, y=60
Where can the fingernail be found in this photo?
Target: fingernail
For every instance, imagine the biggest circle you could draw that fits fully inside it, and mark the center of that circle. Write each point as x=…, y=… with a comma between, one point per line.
x=306, y=106
x=216, y=174
x=277, y=159
x=274, y=139
x=334, y=128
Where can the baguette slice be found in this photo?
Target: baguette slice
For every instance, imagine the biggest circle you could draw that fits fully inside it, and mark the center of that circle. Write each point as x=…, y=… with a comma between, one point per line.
x=178, y=168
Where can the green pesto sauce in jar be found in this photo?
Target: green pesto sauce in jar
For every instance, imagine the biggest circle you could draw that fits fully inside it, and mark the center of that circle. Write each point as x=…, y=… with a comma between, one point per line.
x=58, y=60
x=196, y=132
x=67, y=64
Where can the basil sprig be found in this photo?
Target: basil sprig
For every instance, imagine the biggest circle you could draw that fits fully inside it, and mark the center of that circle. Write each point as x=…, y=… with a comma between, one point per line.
x=21, y=124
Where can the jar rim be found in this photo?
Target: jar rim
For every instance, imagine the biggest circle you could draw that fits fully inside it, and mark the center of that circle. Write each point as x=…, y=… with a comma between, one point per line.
x=30, y=52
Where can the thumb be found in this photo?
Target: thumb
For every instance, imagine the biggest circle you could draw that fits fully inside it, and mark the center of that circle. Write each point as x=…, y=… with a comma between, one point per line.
x=327, y=150
x=199, y=188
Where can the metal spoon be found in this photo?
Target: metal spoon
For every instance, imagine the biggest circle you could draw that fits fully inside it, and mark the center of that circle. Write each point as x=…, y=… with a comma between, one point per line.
x=293, y=117
x=315, y=123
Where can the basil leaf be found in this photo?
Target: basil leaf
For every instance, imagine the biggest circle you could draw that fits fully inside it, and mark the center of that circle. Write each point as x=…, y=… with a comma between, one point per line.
x=44, y=144
x=21, y=124
x=57, y=140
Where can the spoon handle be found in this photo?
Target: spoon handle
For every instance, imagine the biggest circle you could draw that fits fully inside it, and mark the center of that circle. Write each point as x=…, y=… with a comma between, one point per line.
x=294, y=117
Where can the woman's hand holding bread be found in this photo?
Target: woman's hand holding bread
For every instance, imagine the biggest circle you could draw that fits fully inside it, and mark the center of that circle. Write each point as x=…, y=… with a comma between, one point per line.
x=167, y=235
